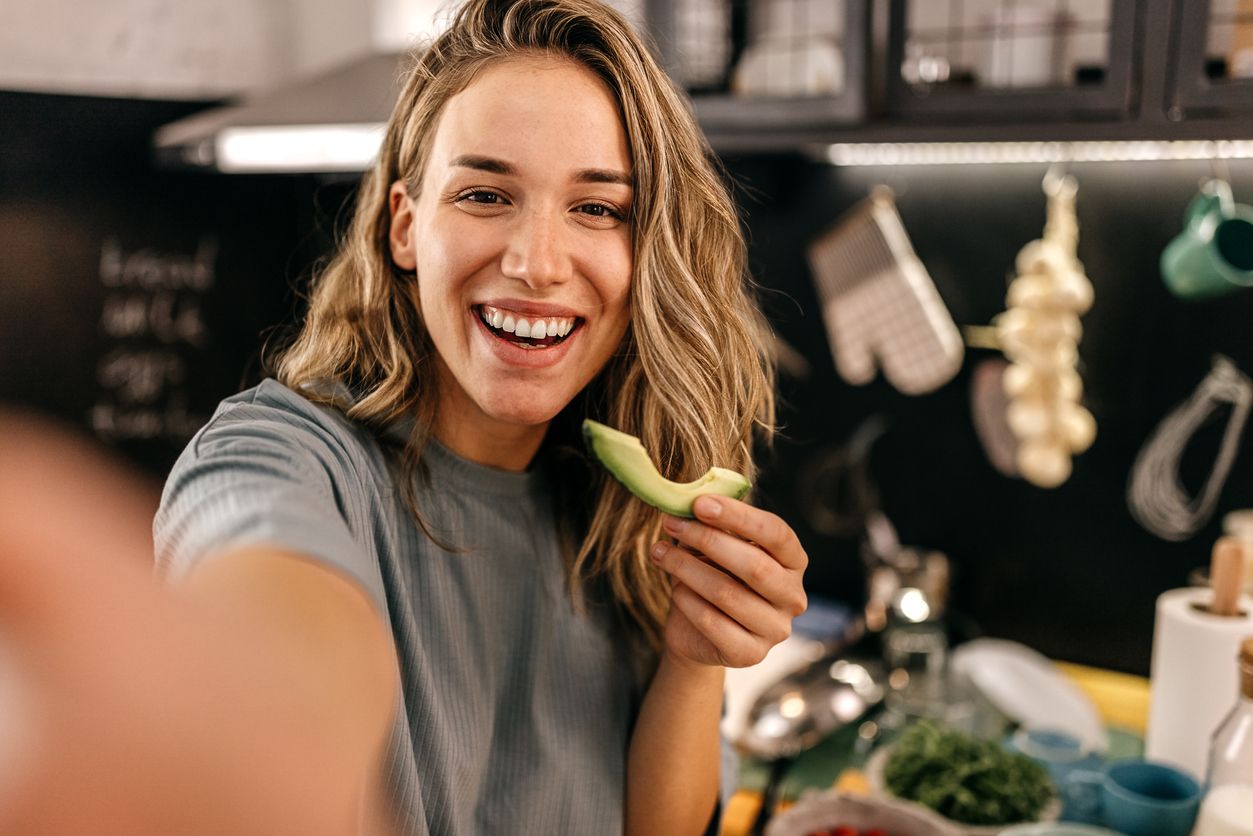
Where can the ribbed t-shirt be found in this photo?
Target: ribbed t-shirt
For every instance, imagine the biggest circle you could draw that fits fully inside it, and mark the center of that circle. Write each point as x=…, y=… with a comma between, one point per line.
x=517, y=707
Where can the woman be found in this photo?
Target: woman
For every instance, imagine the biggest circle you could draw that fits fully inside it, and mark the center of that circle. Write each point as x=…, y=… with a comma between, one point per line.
x=542, y=239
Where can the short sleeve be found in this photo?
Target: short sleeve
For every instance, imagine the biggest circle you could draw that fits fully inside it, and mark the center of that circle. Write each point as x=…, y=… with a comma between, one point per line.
x=262, y=475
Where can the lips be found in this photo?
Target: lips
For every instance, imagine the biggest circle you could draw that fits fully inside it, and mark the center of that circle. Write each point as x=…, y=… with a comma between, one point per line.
x=526, y=352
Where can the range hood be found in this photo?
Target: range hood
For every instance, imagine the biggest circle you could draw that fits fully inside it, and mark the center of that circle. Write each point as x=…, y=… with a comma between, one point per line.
x=329, y=122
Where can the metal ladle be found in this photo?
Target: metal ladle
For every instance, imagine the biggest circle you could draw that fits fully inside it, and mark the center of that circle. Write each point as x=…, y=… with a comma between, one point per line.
x=802, y=709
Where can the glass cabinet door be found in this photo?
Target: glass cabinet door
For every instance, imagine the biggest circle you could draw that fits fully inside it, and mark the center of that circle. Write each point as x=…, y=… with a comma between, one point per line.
x=1026, y=59
x=1214, y=64
x=777, y=64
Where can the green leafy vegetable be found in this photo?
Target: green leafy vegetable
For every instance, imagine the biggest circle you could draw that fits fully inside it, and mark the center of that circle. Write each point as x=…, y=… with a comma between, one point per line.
x=966, y=779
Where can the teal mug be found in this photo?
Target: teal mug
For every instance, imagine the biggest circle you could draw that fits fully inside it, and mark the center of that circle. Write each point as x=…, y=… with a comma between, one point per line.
x=1214, y=253
x=1135, y=797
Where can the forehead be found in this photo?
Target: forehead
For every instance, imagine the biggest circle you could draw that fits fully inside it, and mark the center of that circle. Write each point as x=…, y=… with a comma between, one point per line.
x=547, y=110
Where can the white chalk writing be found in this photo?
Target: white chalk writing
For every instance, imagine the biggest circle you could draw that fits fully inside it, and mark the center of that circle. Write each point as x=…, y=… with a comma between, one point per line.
x=152, y=318
x=153, y=270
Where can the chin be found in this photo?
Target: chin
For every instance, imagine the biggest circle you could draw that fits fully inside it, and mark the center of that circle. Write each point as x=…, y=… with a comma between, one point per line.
x=521, y=412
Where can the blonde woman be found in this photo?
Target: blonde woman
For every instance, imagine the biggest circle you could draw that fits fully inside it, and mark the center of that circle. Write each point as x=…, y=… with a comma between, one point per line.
x=489, y=633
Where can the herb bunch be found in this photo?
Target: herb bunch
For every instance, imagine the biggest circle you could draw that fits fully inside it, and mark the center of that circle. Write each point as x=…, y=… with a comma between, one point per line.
x=966, y=779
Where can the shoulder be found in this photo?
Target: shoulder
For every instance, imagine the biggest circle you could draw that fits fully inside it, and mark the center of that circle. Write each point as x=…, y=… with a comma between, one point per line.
x=271, y=418
x=271, y=447
x=273, y=468
x=272, y=405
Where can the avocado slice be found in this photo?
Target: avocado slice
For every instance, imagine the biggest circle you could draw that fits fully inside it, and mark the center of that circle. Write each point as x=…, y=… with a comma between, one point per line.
x=625, y=457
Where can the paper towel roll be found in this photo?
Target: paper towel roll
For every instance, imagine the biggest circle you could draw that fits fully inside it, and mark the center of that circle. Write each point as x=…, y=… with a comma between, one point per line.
x=1194, y=675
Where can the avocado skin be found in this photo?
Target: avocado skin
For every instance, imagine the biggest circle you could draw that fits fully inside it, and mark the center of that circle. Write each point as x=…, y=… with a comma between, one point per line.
x=626, y=460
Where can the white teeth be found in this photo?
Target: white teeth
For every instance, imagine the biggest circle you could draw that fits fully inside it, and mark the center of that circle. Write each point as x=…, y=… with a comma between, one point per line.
x=536, y=329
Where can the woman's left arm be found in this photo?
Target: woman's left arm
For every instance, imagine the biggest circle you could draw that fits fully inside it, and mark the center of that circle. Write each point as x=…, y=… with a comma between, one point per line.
x=736, y=572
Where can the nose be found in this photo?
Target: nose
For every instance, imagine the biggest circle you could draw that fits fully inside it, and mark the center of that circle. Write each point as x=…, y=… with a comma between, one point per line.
x=537, y=251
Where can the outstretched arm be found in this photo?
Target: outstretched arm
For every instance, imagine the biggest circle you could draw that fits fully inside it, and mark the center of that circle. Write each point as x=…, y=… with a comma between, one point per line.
x=256, y=700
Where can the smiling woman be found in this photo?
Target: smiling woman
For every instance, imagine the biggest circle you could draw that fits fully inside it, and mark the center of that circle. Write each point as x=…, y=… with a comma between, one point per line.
x=544, y=238
x=522, y=209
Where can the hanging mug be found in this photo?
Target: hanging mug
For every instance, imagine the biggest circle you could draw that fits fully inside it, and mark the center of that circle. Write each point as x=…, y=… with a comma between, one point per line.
x=1214, y=253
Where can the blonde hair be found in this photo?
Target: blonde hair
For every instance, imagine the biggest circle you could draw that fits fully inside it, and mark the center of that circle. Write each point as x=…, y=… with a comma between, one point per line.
x=694, y=375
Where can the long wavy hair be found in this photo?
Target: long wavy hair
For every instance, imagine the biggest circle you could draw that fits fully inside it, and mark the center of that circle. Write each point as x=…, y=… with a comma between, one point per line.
x=694, y=375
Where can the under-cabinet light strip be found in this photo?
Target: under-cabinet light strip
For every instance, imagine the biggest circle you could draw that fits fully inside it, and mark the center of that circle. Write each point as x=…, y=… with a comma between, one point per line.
x=281, y=148
x=353, y=147
x=966, y=153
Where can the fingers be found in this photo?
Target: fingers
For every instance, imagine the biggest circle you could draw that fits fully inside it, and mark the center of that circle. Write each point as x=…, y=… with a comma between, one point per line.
x=726, y=594
x=752, y=564
x=69, y=518
x=736, y=577
x=736, y=647
x=761, y=527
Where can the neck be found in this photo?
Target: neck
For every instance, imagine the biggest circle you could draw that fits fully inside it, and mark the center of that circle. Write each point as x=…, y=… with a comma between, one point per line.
x=508, y=449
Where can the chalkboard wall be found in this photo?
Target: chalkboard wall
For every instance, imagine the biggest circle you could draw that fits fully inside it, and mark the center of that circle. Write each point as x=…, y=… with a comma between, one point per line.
x=132, y=300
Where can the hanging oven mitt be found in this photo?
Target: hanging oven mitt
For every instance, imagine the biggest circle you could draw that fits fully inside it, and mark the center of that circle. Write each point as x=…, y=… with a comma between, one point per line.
x=879, y=305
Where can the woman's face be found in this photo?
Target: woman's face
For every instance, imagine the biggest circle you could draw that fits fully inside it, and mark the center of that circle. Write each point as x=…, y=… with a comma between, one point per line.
x=520, y=241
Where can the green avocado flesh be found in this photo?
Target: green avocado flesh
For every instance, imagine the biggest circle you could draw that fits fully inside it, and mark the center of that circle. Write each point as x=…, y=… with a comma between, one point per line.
x=625, y=457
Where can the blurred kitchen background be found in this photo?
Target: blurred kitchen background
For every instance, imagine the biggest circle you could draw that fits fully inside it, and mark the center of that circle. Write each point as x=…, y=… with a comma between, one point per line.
x=152, y=240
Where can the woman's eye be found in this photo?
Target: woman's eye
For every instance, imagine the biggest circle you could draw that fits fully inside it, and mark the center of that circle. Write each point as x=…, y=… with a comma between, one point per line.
x=482, y=198
x=600, y=210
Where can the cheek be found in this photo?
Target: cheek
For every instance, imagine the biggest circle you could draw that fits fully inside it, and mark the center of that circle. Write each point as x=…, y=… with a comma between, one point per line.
x=452, y=245
x=445, y=267
x=615, y=267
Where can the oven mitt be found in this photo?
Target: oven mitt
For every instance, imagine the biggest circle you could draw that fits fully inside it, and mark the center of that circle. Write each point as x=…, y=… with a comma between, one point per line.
x=989, y=405
x=880, y=307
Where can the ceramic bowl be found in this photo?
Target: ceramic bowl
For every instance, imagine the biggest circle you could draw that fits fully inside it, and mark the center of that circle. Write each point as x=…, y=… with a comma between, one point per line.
x=820, y=811
x=874, y=777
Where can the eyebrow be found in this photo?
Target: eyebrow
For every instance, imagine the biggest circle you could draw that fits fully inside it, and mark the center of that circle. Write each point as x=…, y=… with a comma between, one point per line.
x=495, y=166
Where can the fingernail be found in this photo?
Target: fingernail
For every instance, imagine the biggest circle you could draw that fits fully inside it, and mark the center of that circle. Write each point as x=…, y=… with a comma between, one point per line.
x=674, y=525
x=709, y=506
x=658, y=550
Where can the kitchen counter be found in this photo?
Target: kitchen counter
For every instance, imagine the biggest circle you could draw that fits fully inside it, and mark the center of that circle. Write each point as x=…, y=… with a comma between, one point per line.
x=1122, y=700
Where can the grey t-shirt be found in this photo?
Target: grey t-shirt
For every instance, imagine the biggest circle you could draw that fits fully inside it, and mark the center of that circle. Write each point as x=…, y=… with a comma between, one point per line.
x=517, y=708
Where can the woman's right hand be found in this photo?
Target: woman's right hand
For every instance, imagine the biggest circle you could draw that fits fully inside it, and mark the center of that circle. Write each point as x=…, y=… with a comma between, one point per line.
x=130, y=708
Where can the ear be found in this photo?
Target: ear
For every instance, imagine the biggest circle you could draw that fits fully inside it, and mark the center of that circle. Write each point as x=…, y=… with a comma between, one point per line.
x=401, y=234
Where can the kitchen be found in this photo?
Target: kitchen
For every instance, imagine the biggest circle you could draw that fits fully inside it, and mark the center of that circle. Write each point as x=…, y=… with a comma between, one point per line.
x=179, y=272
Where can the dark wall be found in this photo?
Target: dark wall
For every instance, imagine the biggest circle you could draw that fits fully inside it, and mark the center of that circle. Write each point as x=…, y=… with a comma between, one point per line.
x=131, y=299
x=1068, y=571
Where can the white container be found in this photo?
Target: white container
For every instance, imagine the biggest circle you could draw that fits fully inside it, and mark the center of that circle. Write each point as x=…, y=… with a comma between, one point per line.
x=1226, y=811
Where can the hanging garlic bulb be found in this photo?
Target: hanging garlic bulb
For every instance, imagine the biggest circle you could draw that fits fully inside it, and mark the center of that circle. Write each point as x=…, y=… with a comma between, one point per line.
x=1039, y=333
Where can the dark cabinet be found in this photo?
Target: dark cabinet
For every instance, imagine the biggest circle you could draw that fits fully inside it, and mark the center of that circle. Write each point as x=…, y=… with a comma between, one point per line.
x=1036, y=61
x=778, y=66
x=1213, y=68
x=783, y=74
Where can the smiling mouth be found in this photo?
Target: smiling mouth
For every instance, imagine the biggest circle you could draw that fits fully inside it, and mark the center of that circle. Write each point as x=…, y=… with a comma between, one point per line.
x=527, y=332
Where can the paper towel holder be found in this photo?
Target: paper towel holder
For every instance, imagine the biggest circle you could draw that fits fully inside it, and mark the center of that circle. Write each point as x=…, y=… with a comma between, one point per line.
x=1226, y=579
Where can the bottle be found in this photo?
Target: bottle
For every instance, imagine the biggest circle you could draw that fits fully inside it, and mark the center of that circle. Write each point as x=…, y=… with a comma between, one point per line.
x=1231, y=747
